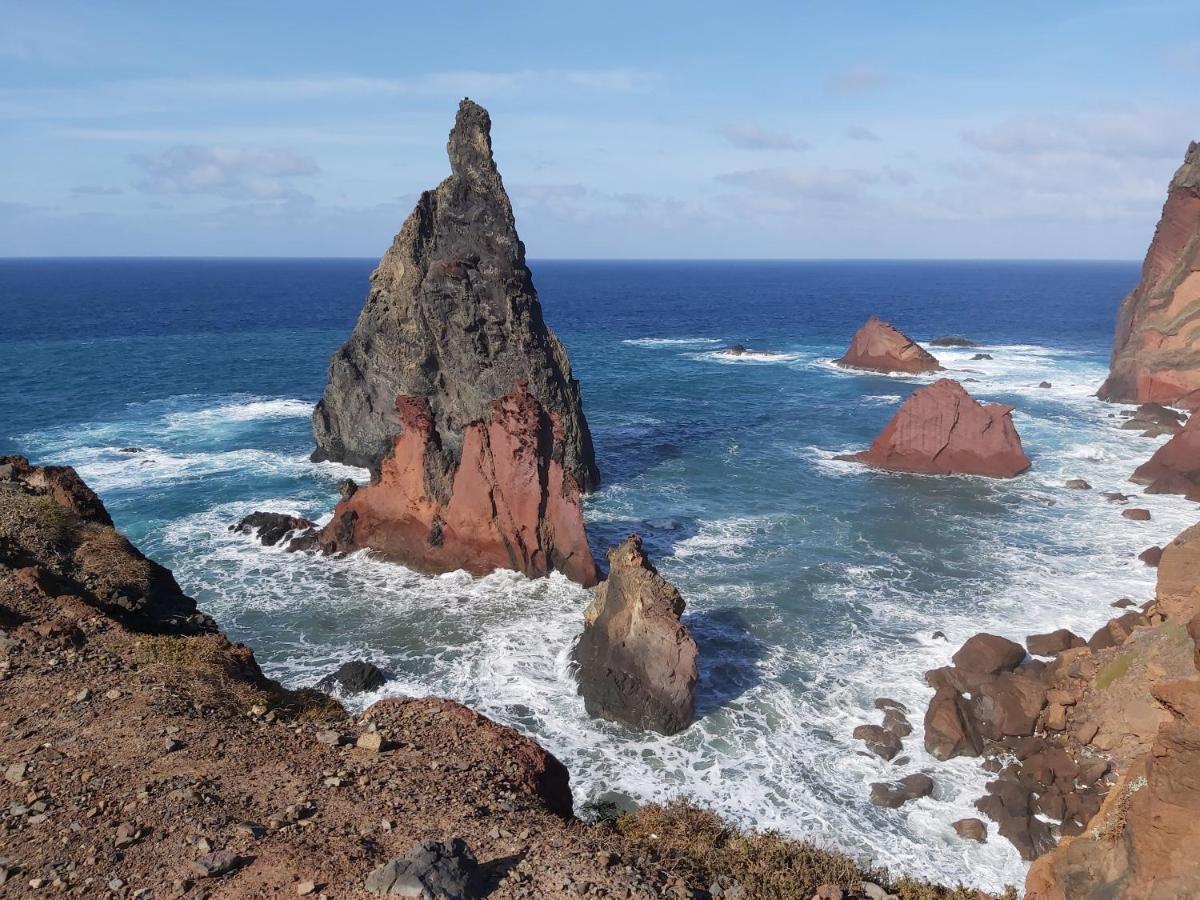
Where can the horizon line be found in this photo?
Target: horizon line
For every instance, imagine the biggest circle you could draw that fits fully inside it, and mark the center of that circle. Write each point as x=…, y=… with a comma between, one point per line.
x=600, y=259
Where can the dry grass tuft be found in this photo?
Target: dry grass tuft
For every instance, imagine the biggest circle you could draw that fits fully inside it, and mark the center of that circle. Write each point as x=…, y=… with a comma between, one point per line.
x=767, y=865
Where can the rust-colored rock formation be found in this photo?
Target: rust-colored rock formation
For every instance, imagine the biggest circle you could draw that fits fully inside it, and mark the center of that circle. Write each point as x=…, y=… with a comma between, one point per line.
x=941, y=430
x=510, y=504
x=452, y=370
x=1156, y=350
x=1175, y=466
x=637, y=661
x=881, y=347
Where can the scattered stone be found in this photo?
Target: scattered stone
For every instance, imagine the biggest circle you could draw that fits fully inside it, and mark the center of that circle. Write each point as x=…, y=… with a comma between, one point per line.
x=1123, y=603
x=1137, y=514
x=171, y=745
x=304, y=888
x=1078, y=484
x=330, y=737
x=127, y=835
x=15, y=773
x=1053, y=643
x=430, y=869
x=83, y=696
x=371, y=741
x=981, y=356
x=216, y=864
x=1045, y=384
x=971, y=830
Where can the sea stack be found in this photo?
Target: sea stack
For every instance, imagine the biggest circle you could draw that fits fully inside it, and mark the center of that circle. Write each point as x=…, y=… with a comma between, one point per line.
x=1156, y=350
x=942, y=430
x=881, y=347
x=457, y=396
x=637, y=661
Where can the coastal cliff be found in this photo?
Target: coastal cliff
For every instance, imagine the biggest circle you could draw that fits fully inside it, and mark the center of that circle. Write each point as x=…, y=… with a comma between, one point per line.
x=1156, y=350
x=146, y=755
x=449, y=368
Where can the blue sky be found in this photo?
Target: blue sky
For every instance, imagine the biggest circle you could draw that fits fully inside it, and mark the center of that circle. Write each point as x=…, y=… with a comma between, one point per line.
x=651, y=129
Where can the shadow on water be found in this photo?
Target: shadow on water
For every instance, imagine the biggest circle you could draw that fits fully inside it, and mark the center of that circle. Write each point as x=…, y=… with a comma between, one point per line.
x=729, y=657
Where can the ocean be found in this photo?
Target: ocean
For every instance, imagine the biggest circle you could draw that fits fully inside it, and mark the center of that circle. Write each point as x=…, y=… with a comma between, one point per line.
x=813, y=586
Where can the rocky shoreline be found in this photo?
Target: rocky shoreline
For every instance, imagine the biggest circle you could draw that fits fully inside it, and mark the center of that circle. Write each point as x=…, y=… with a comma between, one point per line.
x=146, y=756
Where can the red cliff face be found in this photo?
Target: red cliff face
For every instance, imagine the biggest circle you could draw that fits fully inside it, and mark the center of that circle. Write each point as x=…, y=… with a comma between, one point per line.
x=1156, y=350
x=510, y=504
x=941, y=430
x=1175, y=466
x=882, y=347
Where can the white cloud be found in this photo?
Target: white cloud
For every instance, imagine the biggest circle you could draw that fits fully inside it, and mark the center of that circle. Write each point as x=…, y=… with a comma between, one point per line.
x=230, y=172
x=751, y=137
x=860, y=133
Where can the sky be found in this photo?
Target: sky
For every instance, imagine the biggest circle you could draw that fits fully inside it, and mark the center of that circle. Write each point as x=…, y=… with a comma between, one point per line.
x=622, y=130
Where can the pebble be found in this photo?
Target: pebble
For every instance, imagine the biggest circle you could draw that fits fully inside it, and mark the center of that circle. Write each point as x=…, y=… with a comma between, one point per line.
x=212, y=865
x=305, y=888
x=16, y=772
x=171, y=745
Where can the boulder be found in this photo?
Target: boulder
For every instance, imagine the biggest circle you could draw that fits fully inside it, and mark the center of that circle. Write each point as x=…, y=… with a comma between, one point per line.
x=271, y=527
x=1078, y=484
x=1151, y=556
x=1153, y=420
x=988, y=654
x=883, y=742
x=1053, y=643
x=431, y=870
x=1175, y=466
x=1008, y=706
x=941, y=430
x=952, y=341
x=882, y=347
x=637, y=661
x=1045, y=384
x=971, y=830
x=949, y=727
x=452, y=382
x=1136, y=514
x=355, y=677
x=895, y=794
x=981, y=356
x=1156, y=356
x=510, y=503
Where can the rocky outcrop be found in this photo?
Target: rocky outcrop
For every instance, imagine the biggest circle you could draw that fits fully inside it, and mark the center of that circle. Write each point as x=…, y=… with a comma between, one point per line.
x=1156, y=350
x=881, y=347
x=952, y=341
x=1153, y=420
x=637, y=662
x=941, y=430
x=271, y=527
x=510, y=503
x=1175, y=466
x=355, y=677
x=451, y=366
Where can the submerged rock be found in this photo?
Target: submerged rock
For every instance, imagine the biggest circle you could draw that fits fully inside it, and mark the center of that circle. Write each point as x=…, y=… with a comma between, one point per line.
x=271, y=527
x=941, y=430
x=1156, y=349
x=452, y=382
x=881, y=347
x=952, y=341
x=637, y=661
x=896, y=794
x=1153, y=420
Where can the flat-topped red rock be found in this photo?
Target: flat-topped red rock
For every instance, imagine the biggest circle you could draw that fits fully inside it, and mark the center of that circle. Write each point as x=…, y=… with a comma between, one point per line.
x=881, y=347
x=941, y=430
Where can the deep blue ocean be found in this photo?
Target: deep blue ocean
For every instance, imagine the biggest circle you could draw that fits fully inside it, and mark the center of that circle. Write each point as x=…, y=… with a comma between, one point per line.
x=813, y=586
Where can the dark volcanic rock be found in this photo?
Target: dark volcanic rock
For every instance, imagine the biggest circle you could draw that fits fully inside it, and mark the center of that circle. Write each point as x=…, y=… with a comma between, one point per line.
x=271, y=527
x=951, y=341
x=1156, y=355
x=896, y=794
x=451, y=358
x=1136, y=514
x=1078, y=484
x=881, y=347
x=355, y=678
x=434, y=870
x=941, y=430
x=883, y=742
x=981, y=356
x=637, y=662
x=1153, y=420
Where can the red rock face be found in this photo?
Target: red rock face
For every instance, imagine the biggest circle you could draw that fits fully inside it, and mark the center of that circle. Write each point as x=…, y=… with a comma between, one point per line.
x=881, y=347
x=1175, y=466
x=1156, y=351
x=510, y=504
x=941, y=430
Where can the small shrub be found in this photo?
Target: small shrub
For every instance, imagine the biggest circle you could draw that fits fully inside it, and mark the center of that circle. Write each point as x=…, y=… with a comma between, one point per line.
x=1114, y=670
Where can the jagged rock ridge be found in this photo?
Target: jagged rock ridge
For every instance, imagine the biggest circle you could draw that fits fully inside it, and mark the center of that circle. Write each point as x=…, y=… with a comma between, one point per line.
x=457, y=396
x=1156, y=350
x=451, y=315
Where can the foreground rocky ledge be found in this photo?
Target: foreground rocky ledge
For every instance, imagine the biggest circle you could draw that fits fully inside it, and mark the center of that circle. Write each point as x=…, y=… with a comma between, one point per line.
x=145, y=755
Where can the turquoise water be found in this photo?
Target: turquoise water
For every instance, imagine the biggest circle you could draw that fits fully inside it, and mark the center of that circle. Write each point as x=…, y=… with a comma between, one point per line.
x=813, y=586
